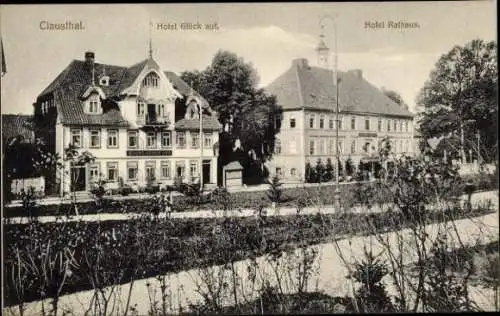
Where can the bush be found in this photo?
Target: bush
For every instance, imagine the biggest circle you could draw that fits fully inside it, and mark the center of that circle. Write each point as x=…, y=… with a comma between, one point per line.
x=125, y=190
x=372, y=296
x=274, y=191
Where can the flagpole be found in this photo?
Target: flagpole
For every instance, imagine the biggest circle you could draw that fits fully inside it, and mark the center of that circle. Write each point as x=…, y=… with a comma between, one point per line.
x=336, y=83
x=201, y=146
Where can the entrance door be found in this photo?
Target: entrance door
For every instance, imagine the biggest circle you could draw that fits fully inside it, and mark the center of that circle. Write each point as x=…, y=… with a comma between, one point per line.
x=206, y=171
x=78, y=181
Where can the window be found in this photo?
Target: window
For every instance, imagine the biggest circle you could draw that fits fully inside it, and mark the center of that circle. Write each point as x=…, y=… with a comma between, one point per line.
x=279, y=173
x=353, y=123
x=151, y=140
x=379, y=125
x=293, y=146
x=112, y=138
x=195, y=140
x=311, y=121
x=165, y=170
x=132, y=170
x=400, y=126
x=150, y=170
x=366, y=147
x=112, y=171
x=331, y=124
x=293, y=172
x=332, y=146
x=311, y=147
x=207, y=140
x=323, y=146
x=193, y=168
x=95, y=138
x=181, y=139
x=104, y=81
x=166, y=139
x=277, y=147
x=141, y=109
x=151, y=80
x=367, y=124
x=389, y=125
x=180, y=169
x=353, y=147
x=341, y=146
x=161, y=110
x=406, y=126
x=76, y=138
x=322, y=122
x=93, y=106
x=340, y=123
x=292, y=122
x=94, y=172
x=395, y=126
x=132, y=139
x=277, y=122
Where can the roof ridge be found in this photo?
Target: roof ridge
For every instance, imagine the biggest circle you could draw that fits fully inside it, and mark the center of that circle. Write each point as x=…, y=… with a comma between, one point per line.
x=60, y=78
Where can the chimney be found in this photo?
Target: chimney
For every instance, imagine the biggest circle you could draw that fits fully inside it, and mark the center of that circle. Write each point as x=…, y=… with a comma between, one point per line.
x=89, y=57
x=357, y=72
x=300, y=63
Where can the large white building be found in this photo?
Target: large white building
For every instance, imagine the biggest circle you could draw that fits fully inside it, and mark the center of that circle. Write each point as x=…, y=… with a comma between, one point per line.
x=307, y=95
x=140, y=122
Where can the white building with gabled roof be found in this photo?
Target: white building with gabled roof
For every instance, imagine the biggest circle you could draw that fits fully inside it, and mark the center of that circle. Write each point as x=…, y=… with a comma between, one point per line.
x=135, y=120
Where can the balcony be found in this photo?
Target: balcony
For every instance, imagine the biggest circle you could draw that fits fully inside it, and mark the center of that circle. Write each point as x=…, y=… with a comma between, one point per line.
x=153, y=120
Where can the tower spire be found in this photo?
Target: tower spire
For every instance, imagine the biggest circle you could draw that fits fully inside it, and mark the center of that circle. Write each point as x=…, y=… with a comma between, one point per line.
x=322, y=50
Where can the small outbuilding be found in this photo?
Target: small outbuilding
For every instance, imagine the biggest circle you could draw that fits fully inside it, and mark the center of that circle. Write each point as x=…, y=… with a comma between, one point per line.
x=232, y=175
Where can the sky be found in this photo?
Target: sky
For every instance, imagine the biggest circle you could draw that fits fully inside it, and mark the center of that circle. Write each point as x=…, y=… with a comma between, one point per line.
x=269, y=36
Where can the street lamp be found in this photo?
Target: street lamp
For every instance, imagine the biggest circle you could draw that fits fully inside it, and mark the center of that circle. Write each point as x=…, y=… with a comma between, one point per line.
x=478, y=136
x=336, y=83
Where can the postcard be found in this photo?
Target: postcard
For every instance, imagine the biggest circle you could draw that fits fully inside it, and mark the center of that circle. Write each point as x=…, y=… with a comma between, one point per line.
x=249, y=158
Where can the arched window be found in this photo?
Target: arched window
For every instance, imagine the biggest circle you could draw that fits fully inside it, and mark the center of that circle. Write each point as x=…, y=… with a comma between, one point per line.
x=151, y=80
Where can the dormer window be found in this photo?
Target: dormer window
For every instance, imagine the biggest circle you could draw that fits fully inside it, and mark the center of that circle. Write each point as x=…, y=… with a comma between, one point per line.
x=192, y=110
x=104, y=81
x=94, y=104
x=151, y=80
x=93, y=107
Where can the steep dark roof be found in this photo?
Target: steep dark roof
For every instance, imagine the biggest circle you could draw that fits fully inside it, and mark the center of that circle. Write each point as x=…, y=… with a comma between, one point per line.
x=183, y=88
x=14, y=125
x=209, y=123
x=72, y=82
x=303, y=86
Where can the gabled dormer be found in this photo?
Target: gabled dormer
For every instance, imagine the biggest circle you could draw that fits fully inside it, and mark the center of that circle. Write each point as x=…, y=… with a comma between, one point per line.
x=92, y=98
x=192, y=108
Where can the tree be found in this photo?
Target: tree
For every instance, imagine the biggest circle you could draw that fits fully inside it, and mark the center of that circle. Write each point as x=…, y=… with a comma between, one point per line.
x=329, y=170
x=396, y=97
x=320, y=170
x=310, y=173
x=349, y=167
x=248, y=113
x=460, y=96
